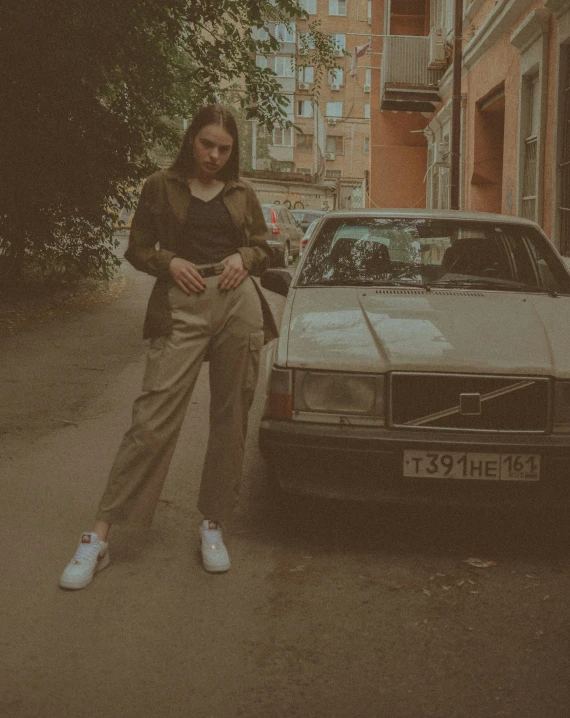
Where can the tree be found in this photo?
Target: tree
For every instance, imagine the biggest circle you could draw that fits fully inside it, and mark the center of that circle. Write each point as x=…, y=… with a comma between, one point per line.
x=88, y=89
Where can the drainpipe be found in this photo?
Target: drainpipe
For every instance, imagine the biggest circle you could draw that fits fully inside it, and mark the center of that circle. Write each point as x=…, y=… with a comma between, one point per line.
x=455, y=167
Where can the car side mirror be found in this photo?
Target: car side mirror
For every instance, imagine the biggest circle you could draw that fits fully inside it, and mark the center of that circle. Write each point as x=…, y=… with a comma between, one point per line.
x=276, y=280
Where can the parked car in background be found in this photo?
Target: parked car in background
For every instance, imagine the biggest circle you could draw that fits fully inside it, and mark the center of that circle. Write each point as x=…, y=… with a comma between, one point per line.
x=424, y=356
x=285, y=238
x=308, y=234
x=306, y=216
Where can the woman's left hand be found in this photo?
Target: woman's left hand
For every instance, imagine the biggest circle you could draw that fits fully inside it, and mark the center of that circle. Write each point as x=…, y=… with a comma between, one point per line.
x=234, y=272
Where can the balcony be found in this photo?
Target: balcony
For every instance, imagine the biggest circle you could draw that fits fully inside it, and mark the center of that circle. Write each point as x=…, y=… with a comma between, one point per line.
x=406, y=82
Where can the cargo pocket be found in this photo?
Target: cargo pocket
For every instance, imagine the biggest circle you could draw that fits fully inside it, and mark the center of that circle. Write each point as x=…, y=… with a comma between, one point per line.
x=152, y=371
x=256, y=341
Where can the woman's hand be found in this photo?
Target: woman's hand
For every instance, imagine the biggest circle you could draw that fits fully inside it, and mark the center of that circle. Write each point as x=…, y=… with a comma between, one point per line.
x=234, y=272
x=186, y=276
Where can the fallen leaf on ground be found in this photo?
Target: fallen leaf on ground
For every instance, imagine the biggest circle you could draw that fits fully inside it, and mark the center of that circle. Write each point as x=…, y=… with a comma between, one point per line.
x=479, y=563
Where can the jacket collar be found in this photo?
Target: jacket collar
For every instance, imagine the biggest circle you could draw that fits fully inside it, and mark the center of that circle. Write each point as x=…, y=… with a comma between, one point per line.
x=172, y=174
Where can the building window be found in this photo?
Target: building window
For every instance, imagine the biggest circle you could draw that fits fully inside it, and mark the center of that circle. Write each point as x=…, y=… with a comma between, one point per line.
x=337, y=7
x=336, y=76
x=367, y=145
x=339, y=40
x=261, y=61
x=306, y=41
x=282, y=137
x=367, y=79
x=304, y=108
x=334, y=109
x=367, y=111
x=261, y=33
x=335, y=144
x=285, y=33
x=309, y=6
x=284, y=66
x=304, y=142
x=333, y=174
x=303, y=170
x=530, y=147
x=306, y=74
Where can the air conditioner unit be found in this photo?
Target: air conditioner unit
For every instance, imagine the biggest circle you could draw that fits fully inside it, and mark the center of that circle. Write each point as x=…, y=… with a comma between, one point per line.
x=332, y=120
x=335, y=86
x=437, y=59
x=338, y=53
x=303, y=86
x=366, y=88
x=330, y=156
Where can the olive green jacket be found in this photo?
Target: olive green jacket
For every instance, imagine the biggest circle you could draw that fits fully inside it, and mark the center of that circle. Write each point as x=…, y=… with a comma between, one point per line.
x=156, y=230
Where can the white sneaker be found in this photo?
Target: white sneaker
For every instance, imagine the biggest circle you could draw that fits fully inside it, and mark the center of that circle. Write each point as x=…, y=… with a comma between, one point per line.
x=91, y=556
x=214, y=554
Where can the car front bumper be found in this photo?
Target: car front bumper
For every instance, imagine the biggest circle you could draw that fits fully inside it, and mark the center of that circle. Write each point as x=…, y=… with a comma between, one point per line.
x=366, y=463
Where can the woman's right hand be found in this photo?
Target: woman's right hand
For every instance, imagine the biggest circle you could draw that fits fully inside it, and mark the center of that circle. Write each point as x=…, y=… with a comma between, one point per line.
x=186, y=276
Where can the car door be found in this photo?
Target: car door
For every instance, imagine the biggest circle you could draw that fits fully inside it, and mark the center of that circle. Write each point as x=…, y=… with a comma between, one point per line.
x=295, y=232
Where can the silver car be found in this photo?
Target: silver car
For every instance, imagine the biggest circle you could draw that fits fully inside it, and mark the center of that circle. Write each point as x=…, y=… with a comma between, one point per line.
x=423, y=356
x=285, y=233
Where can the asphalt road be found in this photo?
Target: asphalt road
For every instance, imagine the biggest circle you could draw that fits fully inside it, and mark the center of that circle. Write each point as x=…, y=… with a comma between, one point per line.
x=330, y=610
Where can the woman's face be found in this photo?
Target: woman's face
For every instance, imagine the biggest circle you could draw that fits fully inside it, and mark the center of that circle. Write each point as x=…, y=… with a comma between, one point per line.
x=212, y=149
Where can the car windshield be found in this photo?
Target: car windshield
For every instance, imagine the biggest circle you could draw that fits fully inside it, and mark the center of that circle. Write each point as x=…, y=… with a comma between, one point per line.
x=433, y=253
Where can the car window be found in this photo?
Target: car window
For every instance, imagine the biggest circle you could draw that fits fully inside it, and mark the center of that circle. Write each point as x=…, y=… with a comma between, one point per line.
x=290, y=218
x=266, y=213
x=311, y=228
x=435, y=252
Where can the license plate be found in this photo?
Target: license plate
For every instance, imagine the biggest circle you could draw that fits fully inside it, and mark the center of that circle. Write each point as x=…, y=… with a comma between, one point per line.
x=471, y=465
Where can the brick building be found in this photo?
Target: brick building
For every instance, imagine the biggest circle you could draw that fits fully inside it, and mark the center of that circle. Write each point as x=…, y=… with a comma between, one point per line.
x=334, y=144
x=515, y=108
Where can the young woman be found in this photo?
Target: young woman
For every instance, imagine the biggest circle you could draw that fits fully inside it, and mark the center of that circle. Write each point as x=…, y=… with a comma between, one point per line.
x=200, y=230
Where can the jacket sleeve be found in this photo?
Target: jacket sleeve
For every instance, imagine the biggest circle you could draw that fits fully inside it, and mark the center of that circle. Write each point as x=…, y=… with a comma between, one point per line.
x=257, y=253
x=144, y=251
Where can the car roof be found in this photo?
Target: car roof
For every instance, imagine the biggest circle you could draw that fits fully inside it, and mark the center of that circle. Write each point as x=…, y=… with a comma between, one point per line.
x=415, y=213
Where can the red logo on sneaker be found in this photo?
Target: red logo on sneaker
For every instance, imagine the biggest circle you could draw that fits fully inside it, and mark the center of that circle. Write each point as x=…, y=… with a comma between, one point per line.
x=86, y=538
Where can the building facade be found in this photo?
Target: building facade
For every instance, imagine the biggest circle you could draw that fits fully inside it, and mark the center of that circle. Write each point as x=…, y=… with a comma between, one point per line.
x=515, y=108
x=333, y=145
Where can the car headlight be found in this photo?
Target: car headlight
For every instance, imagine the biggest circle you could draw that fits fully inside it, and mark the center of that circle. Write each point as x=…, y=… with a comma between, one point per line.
x=337, y=393
x=561, y=424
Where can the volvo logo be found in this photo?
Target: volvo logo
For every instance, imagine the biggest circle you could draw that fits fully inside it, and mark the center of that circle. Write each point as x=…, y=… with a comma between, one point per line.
x=470, y=404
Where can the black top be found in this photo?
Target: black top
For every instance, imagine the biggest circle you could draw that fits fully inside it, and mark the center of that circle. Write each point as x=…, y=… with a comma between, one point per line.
x=209, y=234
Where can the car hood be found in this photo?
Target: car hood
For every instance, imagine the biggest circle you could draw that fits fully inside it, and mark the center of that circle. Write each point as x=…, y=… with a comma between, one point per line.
x=377, y=329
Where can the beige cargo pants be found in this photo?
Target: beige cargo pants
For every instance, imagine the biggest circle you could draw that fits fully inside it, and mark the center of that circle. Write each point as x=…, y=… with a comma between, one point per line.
x=229, y=326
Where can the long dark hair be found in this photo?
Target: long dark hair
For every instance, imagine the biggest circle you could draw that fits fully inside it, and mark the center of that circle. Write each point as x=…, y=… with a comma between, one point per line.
x=209, y=115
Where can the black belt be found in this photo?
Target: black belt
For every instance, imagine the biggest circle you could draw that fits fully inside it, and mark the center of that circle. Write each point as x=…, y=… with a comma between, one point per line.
x=209, y=270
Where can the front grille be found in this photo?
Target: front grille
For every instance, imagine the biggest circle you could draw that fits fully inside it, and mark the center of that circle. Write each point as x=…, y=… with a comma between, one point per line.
x=489, y=403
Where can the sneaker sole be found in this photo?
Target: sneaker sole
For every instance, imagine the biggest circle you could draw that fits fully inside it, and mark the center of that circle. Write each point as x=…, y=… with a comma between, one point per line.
x=73, y=585
x=216, y=568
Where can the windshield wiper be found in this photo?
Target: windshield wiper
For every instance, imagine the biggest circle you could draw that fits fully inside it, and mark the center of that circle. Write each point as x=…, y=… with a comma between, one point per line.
x=368, y=283
x=493, y=283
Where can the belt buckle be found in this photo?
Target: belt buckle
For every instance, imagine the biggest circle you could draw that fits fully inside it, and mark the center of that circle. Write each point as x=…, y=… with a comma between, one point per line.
x=210, y=270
